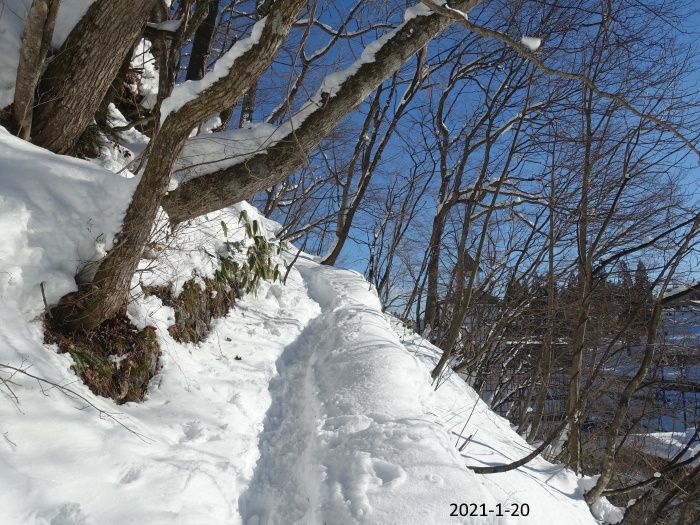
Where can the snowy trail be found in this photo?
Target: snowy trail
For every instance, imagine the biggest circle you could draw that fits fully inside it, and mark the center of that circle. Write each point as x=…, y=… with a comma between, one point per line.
x=285, y=476
x=348, y=438
x=302, y=406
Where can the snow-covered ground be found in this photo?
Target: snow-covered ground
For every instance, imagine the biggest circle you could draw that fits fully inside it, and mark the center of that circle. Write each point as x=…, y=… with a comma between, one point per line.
x=668, y=445
x=306, y=404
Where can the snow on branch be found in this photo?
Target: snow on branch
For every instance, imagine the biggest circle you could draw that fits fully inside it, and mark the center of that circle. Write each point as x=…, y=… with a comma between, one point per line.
x=338, y=94
x=191, y=89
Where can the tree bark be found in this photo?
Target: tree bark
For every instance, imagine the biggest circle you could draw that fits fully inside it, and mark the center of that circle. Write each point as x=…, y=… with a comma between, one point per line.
x=545, y=365
x=36, y=40
x=228, y=186
x=201, y=43
x=77, y=79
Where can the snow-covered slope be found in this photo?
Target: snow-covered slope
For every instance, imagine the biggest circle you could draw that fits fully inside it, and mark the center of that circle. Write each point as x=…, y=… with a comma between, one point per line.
x=304, y=404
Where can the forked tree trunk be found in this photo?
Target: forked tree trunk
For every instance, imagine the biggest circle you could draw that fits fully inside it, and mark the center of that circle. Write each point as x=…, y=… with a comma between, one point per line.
x=77, y=79
x=108, y=293
x=36, y=39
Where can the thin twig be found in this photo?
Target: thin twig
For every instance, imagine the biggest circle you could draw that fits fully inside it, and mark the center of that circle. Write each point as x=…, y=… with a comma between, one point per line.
x=70, y=393
x=46, y=304
x=525, y=52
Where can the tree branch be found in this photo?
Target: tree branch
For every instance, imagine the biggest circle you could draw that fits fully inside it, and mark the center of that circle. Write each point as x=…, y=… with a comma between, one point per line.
x=459, y=16
x=339, y=94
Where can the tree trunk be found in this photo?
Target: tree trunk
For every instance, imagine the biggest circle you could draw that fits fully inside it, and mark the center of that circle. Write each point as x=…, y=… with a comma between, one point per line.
x=430, y=320
x=545, y=365
x=77, y=79
x=585, y=275
x=201, y=43
x=36, y=39
x=574, y=407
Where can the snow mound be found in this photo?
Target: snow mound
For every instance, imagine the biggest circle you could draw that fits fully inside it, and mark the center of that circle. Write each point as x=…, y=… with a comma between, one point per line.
x=56, y=214
x=668, y=445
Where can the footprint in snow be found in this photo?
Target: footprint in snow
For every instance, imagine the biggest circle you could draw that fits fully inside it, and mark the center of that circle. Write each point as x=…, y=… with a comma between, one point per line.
x=391, y=475
x=68, y=514
x=131, y=475
x=271, y=327
x=193, y=431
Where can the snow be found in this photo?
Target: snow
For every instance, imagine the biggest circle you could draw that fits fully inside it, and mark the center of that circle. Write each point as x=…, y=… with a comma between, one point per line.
x=667, y=445
x=167, y=25
x=602, y=509
x=69, y=13
x=305, y=404
x=346, y=438
x=607, y=512
x=332, y=82
x=190, y=90
x=211, y=151
x=12, y=16
x=530, y=42
x=56, y=213
x=553, y=492
x=144, y=60
x=419, y=9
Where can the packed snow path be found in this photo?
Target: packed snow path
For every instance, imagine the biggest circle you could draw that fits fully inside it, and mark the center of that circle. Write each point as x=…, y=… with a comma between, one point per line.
x=351, y=434
x=347, y=437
